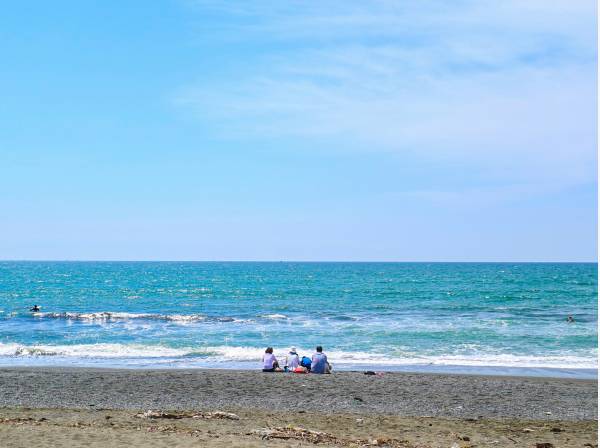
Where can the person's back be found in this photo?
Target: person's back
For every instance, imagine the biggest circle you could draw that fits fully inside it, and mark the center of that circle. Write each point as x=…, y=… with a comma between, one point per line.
x=269, y=361
x=305, y=362
x=293, y=359
x=319, y=361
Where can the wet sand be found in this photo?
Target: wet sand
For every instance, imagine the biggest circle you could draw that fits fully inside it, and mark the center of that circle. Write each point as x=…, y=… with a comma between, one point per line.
x=97, y=407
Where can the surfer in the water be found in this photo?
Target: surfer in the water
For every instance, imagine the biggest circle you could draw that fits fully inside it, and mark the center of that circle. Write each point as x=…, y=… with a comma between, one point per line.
x=34, y=309
x=570, y=319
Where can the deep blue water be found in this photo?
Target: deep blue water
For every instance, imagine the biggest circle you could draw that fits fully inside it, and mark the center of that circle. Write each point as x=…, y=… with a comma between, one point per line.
x=471, y=317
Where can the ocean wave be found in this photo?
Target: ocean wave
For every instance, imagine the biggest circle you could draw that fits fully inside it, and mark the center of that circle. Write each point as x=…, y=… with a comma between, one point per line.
x=274, y=316
x=92, y=351
x=108, y=316
x=221, y=355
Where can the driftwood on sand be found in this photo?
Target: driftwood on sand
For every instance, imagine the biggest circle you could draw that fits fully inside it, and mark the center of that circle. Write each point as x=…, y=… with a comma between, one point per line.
x=151, y=413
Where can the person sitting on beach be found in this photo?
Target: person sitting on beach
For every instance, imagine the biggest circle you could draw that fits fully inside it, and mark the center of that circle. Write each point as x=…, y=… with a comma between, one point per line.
x=35, y=309
x=270, y=363
x=319, y=362
x=293, y=360
x=305, y=362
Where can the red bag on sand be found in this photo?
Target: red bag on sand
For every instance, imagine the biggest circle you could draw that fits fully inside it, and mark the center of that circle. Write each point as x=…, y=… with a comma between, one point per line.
x=300, y=370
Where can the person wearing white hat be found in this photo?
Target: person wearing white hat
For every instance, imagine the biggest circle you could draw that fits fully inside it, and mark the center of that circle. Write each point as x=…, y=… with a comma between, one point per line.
x=292, y=360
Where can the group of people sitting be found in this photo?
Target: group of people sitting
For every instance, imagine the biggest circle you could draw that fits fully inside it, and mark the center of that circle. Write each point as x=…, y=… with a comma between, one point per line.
x=296, y=364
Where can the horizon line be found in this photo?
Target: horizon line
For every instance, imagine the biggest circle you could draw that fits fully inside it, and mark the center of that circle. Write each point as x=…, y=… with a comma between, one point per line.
x=42, y=260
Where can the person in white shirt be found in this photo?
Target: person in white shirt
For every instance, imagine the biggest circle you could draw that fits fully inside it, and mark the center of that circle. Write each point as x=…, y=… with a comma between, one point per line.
x=293, y=360
x=270, y=363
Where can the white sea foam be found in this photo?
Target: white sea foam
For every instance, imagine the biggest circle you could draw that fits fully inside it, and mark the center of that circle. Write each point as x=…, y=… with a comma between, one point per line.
x=340, y=358
x=221, y=355
x=92, y=351
x=116, y=316
x=275, y=316
x=110, y=316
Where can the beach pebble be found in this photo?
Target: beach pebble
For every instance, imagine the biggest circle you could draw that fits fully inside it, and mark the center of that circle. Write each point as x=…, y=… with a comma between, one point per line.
x=528, y=430
x=544, y=445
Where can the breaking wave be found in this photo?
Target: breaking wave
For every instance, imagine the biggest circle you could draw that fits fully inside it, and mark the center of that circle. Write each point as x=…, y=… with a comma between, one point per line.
x=222, y=355
x=109, y=316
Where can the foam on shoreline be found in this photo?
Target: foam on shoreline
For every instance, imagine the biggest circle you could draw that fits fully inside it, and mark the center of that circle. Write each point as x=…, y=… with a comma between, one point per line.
x=231, y=356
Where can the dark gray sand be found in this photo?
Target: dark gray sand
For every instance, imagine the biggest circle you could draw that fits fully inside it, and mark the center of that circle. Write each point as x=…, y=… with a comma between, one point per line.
x=401, y=394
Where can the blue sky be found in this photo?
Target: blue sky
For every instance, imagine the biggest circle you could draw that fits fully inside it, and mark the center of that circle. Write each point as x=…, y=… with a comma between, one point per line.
x=268, y=130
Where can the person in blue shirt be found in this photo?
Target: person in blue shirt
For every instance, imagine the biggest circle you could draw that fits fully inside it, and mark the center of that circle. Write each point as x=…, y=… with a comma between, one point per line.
x=319, y=362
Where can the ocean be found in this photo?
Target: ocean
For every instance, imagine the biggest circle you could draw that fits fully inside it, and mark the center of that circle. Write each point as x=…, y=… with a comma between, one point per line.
x=497, y=318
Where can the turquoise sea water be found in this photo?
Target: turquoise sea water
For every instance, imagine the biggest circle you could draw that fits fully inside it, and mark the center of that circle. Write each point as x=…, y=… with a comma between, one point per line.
x=459, y=317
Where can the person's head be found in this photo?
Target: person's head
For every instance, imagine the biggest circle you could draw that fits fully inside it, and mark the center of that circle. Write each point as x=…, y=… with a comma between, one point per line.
x=319, y=349
x=269, y=350
x=293, y=350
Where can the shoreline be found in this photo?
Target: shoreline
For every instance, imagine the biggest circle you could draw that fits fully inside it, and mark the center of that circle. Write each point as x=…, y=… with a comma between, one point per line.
x=435, y=369
x=252, y=368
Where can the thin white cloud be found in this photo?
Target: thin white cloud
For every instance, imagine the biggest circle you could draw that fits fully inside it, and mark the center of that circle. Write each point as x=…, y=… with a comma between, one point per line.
x=510, y=84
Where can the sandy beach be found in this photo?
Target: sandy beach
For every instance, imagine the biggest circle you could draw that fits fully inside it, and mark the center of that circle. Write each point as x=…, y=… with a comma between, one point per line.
x=50, y=407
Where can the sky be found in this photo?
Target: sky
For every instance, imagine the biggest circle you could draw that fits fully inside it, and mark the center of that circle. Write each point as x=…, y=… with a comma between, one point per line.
x=355, y=130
